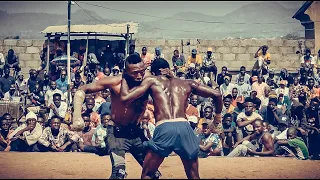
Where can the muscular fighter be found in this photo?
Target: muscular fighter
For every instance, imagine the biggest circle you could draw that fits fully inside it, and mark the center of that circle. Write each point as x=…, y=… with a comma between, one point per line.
x=172, y=132
x=124, y=134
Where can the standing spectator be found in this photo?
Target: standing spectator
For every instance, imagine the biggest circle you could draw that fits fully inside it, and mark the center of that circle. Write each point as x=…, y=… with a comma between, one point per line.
x=263, y=61
x=6, y=81
x=107, y=58
x=53, y=90
x=157, y=54
x=62, y=83
x=56, y=138
x=226, y=87
x=271, y=113
x=146, y=57
x=26, y=136
x=192, y=106
x=178, y=61
x=307, y=60
x=12, y=61
x=260, y=87
x=222, y=75
x=246, y=77
x=132, y=50
x=245, y=120
x=208, y=65
x=57, y=108
x=244, y=89
x=194, y=58
x=259, y=143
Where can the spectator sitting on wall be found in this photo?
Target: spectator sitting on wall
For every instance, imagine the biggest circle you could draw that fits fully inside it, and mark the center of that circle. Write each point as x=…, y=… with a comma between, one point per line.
x=195, y=59
x=208, y=65
x=157, y=54
x=263, y=61
x=178, y=60
x=12, y=60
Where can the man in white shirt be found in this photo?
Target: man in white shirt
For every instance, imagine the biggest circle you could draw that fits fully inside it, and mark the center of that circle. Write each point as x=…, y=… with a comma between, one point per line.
x=307, y=60
x=57, y=108
x=49, y=94
x=246, y=77
x=2, y=61
x=226, y=87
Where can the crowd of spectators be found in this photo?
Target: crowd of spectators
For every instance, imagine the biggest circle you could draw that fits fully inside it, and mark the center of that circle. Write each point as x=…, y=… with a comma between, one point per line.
x=264, y=114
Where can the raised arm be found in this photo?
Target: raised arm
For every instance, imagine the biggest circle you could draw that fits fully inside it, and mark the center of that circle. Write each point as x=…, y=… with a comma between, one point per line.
x=128, y=95
x=206, y=91
x=107, y=82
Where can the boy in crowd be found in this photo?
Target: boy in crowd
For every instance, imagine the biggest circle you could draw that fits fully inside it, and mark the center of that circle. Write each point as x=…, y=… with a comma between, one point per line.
x=210, y=144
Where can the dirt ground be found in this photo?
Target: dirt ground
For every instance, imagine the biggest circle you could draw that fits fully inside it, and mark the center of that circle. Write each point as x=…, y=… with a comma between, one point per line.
x=83, y=165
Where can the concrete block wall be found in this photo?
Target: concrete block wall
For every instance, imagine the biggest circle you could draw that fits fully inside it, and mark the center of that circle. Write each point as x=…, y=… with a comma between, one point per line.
x=235, y=53
x=232, y=53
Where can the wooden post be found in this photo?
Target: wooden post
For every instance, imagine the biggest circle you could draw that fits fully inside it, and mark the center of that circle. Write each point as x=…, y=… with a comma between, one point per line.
x=48, y=53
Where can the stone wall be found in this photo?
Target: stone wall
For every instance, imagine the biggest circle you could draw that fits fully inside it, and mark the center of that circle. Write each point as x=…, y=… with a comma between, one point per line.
x=232, y=53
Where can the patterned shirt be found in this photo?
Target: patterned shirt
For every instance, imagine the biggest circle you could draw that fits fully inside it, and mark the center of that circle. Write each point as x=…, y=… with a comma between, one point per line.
x=64, y=136
x=99, y=135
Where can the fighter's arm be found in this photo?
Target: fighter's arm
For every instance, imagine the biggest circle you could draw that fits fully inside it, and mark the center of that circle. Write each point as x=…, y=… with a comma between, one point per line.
x=128, y=95
x=107, y=82
x=206, y=91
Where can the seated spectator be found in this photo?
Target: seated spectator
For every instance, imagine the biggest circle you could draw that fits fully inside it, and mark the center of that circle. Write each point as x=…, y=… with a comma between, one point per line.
x=226, y=87
x=106, y=71
x=307, y=60
x=313, y=137
x=236, y=97
x=57, y=108
x=227, y=106
x=245, y=120
x=311, y=90
x=12, y=60
x=6, y=81
x=37, y=100
x=273, y=77
x=192, y=106
x=33, y=80
x=87, y=133
x=12, y=94
x=178, y=61
x=21, y=83
x=242, y=73
x=283, y=88
x=49, y=94
x=94, y=116
x=210, y=144
x=147, y=126
x=62, y=83
x=229, y=129
x=193, y=120
x=46, y=83
x=181, y=74
x=208, y=116
x=41, y=121
x=284, y=103
x=115, y=71
x=98, y=73
x=259, y=87
x=271, y=113
x=98, y=101
x=222, y=75
x=260, y=143
x=157, y=54
x=26, y=136
x=77, y=81
x=56, y=138
x=194, y=58
x=295, y=145
x=5, y=131
x=244, y=89
x=98, y=143
x=191, y=72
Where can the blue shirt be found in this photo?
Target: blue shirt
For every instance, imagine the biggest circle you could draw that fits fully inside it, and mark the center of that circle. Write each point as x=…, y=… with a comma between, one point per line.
x=63, y=86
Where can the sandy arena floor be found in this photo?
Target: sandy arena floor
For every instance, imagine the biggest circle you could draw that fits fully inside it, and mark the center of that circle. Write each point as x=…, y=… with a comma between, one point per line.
x=82, y=165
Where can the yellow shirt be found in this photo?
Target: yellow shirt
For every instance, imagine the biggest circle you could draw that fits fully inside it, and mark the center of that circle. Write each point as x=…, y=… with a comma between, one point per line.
x=266, y=57
x=197, y=60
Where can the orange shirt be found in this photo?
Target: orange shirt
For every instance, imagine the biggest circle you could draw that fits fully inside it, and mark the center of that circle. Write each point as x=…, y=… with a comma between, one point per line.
x=146, y=59
x=192, y=111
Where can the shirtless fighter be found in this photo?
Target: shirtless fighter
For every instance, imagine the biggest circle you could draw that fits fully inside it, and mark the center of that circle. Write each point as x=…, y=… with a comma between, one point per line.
x=123, y=133
x=172, y=132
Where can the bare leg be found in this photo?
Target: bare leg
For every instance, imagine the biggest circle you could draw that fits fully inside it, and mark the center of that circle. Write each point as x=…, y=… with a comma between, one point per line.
x=191, y=167
x=151, y=164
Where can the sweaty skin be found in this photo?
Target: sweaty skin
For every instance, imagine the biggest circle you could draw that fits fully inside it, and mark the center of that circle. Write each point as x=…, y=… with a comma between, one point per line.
x=121, y=114
x=170, y=95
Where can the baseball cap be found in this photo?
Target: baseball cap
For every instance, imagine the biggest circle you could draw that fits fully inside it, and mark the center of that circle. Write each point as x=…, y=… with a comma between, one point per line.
x=194, y=51
x=209, y=49
x=192, y=65
x=193, y=119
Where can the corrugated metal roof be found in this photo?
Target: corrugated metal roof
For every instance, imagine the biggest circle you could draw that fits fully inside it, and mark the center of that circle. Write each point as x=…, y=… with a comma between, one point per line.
x=97, y=28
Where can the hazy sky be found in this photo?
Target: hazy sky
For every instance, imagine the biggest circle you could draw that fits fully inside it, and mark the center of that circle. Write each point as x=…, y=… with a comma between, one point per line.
x=157, y=8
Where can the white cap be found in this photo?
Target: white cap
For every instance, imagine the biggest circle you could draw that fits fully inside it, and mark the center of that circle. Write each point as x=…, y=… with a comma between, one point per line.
x=31, y=115
x=192, y=65
x=193, y=119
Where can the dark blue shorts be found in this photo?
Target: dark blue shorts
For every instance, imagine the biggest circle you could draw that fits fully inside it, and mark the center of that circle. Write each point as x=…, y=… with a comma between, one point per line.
x=174, y=136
